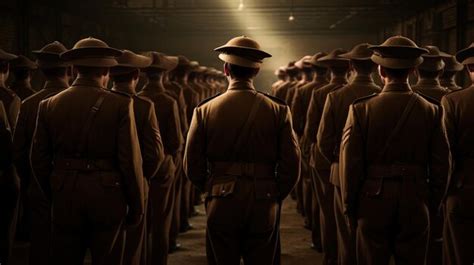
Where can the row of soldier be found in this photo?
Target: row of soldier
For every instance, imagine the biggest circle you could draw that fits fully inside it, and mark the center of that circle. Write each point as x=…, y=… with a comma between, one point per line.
x=362, y=207
x=141, y=128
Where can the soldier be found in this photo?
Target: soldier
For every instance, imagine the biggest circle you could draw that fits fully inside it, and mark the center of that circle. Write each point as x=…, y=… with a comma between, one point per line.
x=428, y=74
x=193, y=79
x=86, y=157
x=451, y=68
x=306, y=76
x=333, y=120
x=125, y=77
x=166, y=184
x=21, y=69
x=339, y=68
x=9, y=182
x=394, y=162
x=292, y=72
x=300, y=108
x=243, y=192
x=458, y=231
x=36, y=216
x=282, y=77
x=11, y=102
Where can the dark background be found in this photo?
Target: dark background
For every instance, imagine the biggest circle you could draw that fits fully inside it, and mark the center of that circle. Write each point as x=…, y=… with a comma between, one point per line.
x=194, y=27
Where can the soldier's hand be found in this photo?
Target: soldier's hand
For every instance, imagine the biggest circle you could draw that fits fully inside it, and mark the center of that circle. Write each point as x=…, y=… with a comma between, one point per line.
x=133, y=219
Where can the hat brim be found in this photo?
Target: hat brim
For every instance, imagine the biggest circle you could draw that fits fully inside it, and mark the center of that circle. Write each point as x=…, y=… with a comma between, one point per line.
x=396, y=51
x=352, y=56
x=468, y=60
x=93, y=52
x=245, y=50
x=397, y=63
x=95, y=62
x=169, y=64
x=52, y=64
x=238, y=60
x=139, y=61
x=5, y=56
x=454, y=68
x=463, y=55
x=342, y=62
x=431, y=66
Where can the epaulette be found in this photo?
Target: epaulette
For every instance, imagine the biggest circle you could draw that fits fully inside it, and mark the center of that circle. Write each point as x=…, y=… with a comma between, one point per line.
x=365, y=98
x=277, y=100
x=208, y=99
x=120, y=93
x=428, y=98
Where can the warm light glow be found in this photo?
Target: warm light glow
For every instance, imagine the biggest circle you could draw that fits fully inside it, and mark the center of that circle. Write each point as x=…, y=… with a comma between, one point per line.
x=241, y=5
x=291, y=18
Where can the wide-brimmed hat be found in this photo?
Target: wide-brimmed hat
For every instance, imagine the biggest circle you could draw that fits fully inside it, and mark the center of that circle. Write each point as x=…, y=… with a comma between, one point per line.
x=433, y=60
x=466, y=56
x=291, y=68
x=334, y=59
x=129, y=62
x=359, y=52
x=280, y=71
x=5, y=56
x=92, y=52
x=23, y=62
x=162, y=61
x=50, y=55
x=398, y=52
x=451, y=64
x=304, y=62
x=315, y=58
x=242, y=51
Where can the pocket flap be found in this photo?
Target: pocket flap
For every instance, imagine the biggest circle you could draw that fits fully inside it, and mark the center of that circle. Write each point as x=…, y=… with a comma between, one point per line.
x=266, y=190
x=222, y=189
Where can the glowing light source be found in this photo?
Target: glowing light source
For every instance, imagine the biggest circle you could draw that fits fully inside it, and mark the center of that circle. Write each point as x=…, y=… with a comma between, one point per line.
x=241, y=5
x=291, y=17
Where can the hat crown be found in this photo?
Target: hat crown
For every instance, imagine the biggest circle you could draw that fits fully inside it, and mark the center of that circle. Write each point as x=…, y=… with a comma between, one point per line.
x=244, y=42
x=90, y=43
x=359, y=51
x=55, y=47
x=399, y=41
x=183, y=60
x=433, y=51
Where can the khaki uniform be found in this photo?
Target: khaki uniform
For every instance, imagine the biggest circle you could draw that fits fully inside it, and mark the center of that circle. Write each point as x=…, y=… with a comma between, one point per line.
x=9, y=189
x=329, y=136
x=458, y=232
x=35, y=201
x=242, y=195
x=163, y=186
x=393, y=174
x=450, y=84
x=11, y=104
x=430, y=88
x=282, y=91
x=323, y=188
x=22, y=88
x=90, y=187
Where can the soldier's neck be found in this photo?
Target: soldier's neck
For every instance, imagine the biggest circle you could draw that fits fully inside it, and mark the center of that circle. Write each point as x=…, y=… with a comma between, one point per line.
x=338, y=78
x=320, y=78
x=235, y=83
x=58, y=82
x=362, y=78
x=159, y=83
x=429, y=81
x=126, y=87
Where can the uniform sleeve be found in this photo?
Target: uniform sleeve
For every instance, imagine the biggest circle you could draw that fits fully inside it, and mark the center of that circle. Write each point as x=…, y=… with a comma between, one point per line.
x=22, y=145
x=152, y=153
x=42, y=151
x=130, y=160
x=195, y=162
x=326, y=137
x=351, y=162
x=289, y=156
x=174, y=140
x=311, y=128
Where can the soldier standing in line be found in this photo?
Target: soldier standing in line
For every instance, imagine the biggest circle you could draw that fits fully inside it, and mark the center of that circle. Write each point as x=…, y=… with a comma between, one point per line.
x=282, y=77
x=9, y=182
x=193, y=79
x=428, y=74
x=300, y=108
x=451, y=68
x=292, y=72
x=11, y=102
x=125, y=78
x=339, y=68
x=86, y=157
x=394, y=162
x=36, y=206
x=458, y=231
x=235, y=162
x=306, y=76
x=330, y=129
x=163, y=187
x=22, y=68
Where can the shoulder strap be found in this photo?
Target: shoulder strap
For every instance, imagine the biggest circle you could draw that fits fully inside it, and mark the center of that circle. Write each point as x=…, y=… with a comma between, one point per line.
x=88, y=124
x=245, y=131
x=399, y=125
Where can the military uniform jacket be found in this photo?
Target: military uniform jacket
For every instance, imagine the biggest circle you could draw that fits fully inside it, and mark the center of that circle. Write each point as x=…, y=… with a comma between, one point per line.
x=22, y=89
x=420, y=144
x=334, y=118
x=282, y=91
x=275, y=86
x=458, y=116
x=26, y=127
x=182, y=108
x=292, y=91
x=113, y=137
x=192, y=100
x=313, y=119
x=301, y=102
x=430, y=88
x=216, y=126
x=11, y=103
x=149, y=136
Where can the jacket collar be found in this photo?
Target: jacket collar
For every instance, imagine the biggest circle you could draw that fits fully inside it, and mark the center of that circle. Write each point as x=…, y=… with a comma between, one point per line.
x=428, y=83
x=397, y=87
x=241, y=84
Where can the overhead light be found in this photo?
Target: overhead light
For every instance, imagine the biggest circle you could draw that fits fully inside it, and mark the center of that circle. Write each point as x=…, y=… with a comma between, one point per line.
x=291, y=17
x=241, y=5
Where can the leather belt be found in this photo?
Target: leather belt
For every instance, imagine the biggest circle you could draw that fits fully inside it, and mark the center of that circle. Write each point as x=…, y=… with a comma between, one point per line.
x=396, y=171
x=243, y=169
x=85, y=164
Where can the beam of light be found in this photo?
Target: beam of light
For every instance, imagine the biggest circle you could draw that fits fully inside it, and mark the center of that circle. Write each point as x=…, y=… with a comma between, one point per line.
x=241, y=5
